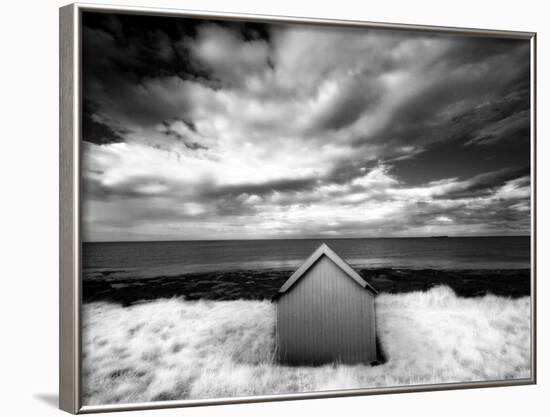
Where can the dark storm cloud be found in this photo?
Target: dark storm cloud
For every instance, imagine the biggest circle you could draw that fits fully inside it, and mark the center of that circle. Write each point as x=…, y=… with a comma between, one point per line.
x=471, y=85
x=288, y=185
x=94, y=130
x=145, y=46
x=485, y=184
x=214, y=129
x=123, y=53
x=513, y=126
x=168, y=129
x=112, y=82
x=355, y=97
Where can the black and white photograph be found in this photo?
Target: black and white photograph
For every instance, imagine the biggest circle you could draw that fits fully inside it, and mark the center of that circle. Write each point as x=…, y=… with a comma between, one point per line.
x=282, y=207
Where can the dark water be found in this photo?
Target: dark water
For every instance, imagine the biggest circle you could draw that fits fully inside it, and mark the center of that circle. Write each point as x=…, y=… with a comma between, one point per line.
x=150, y=259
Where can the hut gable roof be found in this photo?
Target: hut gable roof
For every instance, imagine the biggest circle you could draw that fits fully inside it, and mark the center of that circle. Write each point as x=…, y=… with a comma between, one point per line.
x=324, y=250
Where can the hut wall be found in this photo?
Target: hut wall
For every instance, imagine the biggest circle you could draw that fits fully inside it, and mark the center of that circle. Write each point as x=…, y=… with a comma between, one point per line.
x=325, y=317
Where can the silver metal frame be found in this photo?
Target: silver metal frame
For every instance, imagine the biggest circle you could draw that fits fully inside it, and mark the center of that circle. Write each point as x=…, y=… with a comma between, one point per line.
x=69, y=204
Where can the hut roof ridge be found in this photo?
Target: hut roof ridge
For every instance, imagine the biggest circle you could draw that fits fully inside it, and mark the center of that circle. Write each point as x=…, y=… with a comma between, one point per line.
x=325, y=250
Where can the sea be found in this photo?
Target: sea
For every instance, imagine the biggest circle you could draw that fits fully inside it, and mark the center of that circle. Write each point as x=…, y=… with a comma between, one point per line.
x=172, y=258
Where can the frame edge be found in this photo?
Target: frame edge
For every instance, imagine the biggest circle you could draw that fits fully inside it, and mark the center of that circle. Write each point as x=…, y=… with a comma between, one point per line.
x=69, y=227
x=274, y=19
x=68, y=250
x=534, y=211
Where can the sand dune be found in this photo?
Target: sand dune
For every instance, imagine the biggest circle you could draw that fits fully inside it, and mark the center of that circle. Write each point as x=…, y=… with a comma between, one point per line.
x=177, y=349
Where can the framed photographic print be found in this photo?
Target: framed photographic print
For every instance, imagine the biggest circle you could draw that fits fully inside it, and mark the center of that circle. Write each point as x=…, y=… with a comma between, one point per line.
x=259, y=208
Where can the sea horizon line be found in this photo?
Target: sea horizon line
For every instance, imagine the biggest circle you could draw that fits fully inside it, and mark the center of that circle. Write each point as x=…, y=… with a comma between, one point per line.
x=303, y=238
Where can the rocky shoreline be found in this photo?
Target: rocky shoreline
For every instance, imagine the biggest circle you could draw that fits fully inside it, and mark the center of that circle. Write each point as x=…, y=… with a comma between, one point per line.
x=264, y=284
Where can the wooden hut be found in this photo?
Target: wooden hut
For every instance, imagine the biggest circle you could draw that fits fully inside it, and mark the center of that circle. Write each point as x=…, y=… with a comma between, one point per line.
x=326, y=313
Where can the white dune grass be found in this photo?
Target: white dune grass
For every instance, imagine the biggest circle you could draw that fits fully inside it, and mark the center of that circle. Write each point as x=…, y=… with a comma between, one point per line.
x=177, y=349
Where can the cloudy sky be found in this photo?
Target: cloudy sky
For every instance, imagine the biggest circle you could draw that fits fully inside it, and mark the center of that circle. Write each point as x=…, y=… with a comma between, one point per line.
x=198, y=129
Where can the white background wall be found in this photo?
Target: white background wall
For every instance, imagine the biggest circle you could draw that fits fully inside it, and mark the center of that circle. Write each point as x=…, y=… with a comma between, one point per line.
x=29, y=178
